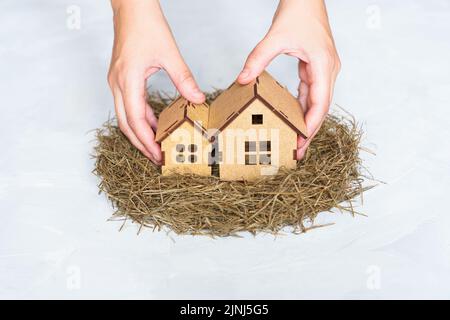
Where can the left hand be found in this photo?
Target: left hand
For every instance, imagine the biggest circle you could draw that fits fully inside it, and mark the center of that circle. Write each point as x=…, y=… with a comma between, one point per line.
x=300, y=28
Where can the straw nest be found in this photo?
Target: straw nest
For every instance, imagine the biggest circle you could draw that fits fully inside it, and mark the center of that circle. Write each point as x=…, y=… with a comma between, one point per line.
x=329, y=177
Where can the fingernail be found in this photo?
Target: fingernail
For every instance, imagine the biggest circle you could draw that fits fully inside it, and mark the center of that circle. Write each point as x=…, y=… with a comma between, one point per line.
x=198, y=97
x=150, y=156
x=301, y=155
x=244, y=74
x=156, y=157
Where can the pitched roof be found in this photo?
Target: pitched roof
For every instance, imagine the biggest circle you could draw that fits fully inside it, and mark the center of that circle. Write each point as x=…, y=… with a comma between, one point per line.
x=177, y=113
x=230, y=103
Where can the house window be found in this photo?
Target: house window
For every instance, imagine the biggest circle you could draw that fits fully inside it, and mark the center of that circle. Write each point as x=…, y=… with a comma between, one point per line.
x=257, y=119
x=186, y=152
x=265, y=149
x=264, y=146
x=192, y=158
x=250, y=153
x=250, y=159
x=180, y=148
x=180, y=158
x=250, y=146
x=192, y=148
x=264, y=158
x=260, y=155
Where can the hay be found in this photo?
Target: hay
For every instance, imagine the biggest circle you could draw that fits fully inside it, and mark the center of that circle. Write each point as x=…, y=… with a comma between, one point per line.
x=330, y=176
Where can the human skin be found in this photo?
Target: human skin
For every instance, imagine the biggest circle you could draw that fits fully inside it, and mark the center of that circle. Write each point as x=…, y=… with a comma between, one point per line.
x=300, y=28
x=144, y=44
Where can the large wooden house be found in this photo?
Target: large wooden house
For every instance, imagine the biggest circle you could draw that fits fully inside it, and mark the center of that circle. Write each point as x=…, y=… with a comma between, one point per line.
x=257, y=126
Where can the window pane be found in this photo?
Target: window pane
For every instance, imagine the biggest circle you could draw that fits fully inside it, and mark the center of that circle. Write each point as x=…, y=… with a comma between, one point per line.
x=179, y=147
x=192, y=148
x=180, y=158
x=250, y=159
x=257, y=118
x=264, y=159
x=264, y=146
x=192, y=158
x=250, y=146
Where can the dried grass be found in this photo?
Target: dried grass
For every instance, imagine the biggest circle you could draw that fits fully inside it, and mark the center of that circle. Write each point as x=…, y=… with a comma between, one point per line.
x=330, y=176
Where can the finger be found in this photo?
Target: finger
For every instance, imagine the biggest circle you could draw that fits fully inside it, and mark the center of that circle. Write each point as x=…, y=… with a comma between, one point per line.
x=301, y=154
x=303, y=144
x=264, y=52
x=337, y=68
x=123, y=125
x=133, y=92
x=319, y=95
x=333, y=82
x=182, y=78
x=319, y=74
x=303, y=89
x=151, y=118
x=149, y=113
x=303, y=94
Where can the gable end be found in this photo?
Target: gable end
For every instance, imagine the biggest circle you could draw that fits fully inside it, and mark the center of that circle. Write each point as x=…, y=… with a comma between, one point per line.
x=280, y=115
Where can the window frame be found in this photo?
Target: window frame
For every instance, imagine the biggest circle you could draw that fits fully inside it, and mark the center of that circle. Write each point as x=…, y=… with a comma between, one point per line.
x=185, y=153
x=257, y=155
x=257, y=119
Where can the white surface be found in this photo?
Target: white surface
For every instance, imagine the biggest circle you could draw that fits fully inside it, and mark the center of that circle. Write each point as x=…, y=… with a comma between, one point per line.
x=55, y=241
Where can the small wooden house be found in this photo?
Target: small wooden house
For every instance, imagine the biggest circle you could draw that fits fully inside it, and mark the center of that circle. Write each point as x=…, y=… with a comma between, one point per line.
x=183, y=138
x=256, y=129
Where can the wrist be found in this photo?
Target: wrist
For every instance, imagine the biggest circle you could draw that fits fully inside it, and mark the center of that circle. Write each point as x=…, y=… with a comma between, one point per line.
x=137, y=14
x=300, y=12
x=303, y=3
x=141, y=4
x=311, y=8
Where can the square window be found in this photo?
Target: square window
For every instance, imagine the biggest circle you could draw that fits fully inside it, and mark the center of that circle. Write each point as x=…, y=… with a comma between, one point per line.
x=179, y=147
x=257, y=119
x=192, y=158
x=264, y=159
x=250, y=159
x=264, y=146
x=250, y=146
x=180, y=158
x=192, y=148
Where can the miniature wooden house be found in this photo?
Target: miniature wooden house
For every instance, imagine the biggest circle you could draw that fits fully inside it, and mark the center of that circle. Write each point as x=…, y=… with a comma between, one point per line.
x=255, y=127
x=183, y=138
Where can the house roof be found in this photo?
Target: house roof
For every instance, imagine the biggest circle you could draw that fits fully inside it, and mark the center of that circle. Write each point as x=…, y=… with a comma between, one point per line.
x=177, y=113
x=230, y=103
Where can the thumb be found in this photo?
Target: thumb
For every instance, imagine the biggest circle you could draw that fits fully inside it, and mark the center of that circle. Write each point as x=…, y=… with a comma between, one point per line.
x=264, y=52
x=183, y=80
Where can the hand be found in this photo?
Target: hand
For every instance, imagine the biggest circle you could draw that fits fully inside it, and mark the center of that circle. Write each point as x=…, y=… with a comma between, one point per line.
x=300, y=28
x=144, y=44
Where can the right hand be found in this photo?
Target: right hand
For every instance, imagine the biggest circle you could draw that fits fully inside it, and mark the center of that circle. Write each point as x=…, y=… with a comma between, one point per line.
x=144, y=44
x=300, y=28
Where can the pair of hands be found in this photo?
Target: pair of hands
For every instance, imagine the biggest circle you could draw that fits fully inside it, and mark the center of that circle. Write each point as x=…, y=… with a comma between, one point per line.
x=144, y=44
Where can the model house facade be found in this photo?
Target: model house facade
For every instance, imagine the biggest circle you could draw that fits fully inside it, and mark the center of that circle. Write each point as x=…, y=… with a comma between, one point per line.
x=183, y=137
x=257, y=129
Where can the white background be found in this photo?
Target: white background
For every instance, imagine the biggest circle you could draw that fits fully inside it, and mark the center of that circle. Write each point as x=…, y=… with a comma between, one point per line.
x=55, y=241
